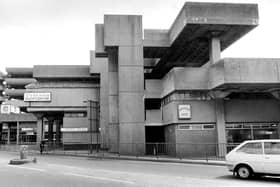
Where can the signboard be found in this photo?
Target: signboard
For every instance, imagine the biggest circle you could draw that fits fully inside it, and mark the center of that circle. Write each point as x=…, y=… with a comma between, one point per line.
x=7, y=109
x=37, y=97
x=27, y=129
x=184, y=111
x=74, y=129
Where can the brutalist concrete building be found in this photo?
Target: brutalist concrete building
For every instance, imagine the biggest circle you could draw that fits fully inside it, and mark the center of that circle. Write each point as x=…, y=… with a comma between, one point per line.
x=162, y=86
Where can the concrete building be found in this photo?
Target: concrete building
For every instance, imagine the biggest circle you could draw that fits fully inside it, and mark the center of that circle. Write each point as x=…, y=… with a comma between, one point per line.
x=1, y=87
x=16, y=127
x=162, y=86
x=15, y=82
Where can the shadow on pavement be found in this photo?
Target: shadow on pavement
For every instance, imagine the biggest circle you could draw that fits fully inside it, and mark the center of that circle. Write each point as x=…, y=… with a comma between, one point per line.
x=270, y=179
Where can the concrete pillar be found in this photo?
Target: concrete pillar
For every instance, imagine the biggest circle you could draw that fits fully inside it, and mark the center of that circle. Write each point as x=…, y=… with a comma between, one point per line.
x=8, y=134
x=131, y=86
x=17, y=132
x=214, y=50
x=220, y=125
x=113, y=101
x=40, y=127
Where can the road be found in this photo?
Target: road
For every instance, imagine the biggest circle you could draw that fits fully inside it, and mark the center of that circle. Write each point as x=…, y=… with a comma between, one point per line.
x=60, y=171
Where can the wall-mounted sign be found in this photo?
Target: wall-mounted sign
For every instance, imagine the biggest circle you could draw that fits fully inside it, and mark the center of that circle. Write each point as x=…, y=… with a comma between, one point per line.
x=184, y=111
x=81, y=129
x=27, y=129
x=7, y=109
x=37, y=97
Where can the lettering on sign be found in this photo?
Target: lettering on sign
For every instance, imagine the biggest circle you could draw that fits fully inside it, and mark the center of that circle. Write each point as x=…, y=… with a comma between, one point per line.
x=39, y=97
x=184, y=111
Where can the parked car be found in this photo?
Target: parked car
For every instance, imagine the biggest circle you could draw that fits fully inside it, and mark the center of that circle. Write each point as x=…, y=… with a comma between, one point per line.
x=255, y=157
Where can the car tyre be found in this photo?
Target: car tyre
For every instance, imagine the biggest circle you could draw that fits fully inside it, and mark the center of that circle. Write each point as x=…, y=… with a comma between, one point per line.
x=244, y=172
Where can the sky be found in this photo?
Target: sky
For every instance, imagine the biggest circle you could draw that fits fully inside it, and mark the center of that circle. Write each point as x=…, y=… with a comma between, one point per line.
x=40, y=32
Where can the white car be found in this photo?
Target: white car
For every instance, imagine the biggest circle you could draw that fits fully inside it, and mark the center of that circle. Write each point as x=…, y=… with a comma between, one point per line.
x=255, y=157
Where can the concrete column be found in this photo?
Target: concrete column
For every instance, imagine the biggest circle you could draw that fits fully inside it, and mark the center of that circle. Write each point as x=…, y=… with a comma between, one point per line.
x=131, y=86
x=8, y=134
x=40, y=127
x=214, y=50
x=113, y=101
x=220, y=125
x=17, y=132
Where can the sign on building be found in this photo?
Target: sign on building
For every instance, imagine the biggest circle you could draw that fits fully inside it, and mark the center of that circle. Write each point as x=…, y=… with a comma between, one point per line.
x=37, y=97
x=78, y=129
x=7, y=109
x=184, y=111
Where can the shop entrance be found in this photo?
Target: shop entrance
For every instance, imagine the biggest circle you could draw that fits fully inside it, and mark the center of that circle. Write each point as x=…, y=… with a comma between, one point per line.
x=155, y=140
x=51, y=128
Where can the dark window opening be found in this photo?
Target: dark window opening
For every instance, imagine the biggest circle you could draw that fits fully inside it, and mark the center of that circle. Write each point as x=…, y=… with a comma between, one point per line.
x=152, y=104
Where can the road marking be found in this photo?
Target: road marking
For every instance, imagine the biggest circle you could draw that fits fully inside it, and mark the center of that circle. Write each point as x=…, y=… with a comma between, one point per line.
x=28, y=168
x=100, y=178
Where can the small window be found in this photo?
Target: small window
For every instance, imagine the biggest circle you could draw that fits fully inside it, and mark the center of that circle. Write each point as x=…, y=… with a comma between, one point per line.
x=196, y=127
x=208, y=126
x=184, y=127
x=272, y=148
x=251, y=148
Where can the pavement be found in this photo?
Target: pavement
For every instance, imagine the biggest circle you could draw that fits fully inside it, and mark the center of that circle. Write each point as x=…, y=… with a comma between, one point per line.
x=106, y=155
x=75, y=171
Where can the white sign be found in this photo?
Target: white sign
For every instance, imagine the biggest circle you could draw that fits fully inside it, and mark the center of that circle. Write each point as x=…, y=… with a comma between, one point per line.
x=39, y=97
x=7, y=109
x=27, y=129
x=74, y=129
x=184, y=111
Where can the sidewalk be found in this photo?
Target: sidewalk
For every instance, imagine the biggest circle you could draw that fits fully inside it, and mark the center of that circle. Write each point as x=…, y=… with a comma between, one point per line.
x=105, y=155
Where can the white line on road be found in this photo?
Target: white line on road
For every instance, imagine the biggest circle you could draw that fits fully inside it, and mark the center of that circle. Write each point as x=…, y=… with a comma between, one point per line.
x=100, y=178
x=28, y=168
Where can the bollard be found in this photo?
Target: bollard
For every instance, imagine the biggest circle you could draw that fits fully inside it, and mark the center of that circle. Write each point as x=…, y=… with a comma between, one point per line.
x=23, y=152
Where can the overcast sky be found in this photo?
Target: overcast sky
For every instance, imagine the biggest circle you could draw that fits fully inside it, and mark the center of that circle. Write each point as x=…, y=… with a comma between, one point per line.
x=36, y=32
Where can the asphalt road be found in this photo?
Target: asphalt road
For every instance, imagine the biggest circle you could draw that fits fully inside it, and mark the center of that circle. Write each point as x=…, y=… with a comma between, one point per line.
x=60, y=171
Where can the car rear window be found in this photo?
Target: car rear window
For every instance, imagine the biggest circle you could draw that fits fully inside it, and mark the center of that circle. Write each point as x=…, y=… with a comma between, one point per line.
x=251, y=148
x=272, y=148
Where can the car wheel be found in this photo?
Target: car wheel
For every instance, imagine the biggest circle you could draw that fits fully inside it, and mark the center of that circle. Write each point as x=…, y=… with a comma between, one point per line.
x=244, y=172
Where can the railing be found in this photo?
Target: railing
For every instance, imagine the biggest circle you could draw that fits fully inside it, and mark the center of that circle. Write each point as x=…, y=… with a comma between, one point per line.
x=147, y=150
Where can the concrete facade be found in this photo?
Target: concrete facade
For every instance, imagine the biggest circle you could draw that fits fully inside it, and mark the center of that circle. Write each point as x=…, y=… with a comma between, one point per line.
x=141, y=77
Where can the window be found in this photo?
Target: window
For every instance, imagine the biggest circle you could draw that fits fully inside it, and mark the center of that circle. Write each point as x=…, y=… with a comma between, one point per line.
x=196, y=127
x=251, y=148
x=272, y=148
x=76, y=115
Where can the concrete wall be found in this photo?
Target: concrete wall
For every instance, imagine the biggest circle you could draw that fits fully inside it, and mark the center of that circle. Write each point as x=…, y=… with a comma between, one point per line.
x=153, y=88
x=240, y=71
x=202, y=111
x=252, y=110
x=67, y=94
x=195, y=142
x=170, y=139
x=61, y=71
x=76, y=137
x=185, y=79
x=153, y=117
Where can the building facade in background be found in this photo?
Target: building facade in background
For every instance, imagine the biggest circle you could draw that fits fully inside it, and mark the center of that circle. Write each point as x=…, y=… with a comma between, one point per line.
x=168, y=88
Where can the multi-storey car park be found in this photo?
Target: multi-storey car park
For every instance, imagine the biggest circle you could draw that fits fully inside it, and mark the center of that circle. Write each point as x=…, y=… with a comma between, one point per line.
x=147, y=86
